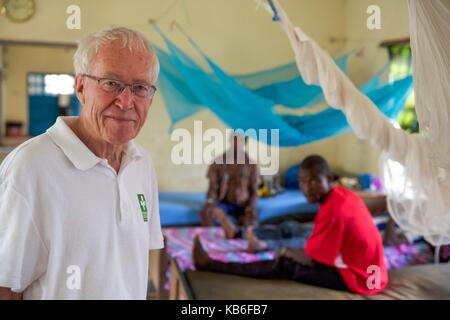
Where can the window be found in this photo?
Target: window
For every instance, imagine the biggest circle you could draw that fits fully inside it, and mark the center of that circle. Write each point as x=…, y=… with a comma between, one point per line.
x=41, y=84
x=49, y=96
x=401, y=66
x=36, y=84
x=59, y=84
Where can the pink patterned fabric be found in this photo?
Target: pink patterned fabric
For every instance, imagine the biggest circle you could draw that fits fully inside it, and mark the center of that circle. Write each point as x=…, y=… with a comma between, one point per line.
x=404, y=255
x=179, y=246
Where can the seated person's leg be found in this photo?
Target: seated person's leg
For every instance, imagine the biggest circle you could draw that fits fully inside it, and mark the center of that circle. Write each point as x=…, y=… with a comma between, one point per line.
x=256, y=236
x=280, y=268
x=254, y=244
x=317, y=275
x=289, y=234
x=269, y=237
x=223, y=213
x=261, y=269
x=207, y=215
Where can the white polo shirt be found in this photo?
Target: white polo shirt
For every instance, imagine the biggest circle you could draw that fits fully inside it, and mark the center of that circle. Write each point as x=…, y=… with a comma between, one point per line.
x=70, y=227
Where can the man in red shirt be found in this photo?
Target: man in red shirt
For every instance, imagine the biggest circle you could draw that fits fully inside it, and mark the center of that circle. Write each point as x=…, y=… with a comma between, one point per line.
x=344, y=251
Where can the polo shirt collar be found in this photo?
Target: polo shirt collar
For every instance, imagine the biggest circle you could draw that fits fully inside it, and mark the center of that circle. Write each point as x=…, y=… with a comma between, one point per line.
x=77, y=152
x=131, y=151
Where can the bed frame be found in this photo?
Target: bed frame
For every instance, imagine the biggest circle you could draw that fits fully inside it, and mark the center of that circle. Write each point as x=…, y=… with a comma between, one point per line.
x=417, y=282
x=158, y=260
x=179, y=287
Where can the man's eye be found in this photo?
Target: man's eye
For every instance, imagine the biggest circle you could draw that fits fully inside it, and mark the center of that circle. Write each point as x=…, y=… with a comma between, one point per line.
x=111, y=83
x=140, y=87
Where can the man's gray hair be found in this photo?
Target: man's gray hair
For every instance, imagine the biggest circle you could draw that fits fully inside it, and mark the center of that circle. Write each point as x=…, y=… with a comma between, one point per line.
x=89, y=46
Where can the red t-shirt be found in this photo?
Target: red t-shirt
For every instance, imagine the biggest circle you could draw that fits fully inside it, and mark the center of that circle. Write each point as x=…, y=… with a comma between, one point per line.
x=346, y=237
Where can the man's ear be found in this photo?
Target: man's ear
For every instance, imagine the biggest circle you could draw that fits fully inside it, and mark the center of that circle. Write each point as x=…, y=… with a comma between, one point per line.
x=79, y=88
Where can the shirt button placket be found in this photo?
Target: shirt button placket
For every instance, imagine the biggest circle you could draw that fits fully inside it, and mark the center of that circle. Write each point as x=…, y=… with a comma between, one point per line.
x=123, y=205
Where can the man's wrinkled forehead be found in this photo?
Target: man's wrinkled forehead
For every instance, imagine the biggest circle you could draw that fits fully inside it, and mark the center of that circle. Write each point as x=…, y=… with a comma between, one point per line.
x=114, y=60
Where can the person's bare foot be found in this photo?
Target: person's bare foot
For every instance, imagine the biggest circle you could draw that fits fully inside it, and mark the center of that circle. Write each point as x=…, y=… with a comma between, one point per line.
x=199, y=255
x=229, y=228
x=253, y=243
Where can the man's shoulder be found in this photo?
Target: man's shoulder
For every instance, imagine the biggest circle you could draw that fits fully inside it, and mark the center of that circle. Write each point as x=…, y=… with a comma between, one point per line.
x=336, y=201
x=341, y=192
x=344, y=201
x=28, y=154
x=348, y=196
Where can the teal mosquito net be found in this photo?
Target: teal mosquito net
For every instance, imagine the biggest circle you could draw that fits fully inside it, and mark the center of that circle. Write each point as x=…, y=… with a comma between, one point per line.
x=250, y=101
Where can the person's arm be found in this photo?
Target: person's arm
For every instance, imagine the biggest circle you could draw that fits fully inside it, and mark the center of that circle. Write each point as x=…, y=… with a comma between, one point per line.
x=250, y=210
x=324, y=244
x=213, y=189
x=212, y=195
x=7, y=294
x=23, y=253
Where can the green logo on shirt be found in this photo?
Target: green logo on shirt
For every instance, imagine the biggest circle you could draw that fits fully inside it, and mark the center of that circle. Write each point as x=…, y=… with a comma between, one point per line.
x=143, y=205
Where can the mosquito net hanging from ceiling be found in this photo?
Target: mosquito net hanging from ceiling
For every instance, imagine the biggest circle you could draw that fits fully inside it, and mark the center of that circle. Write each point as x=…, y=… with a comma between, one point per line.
x=249, y=101
x=416, y=166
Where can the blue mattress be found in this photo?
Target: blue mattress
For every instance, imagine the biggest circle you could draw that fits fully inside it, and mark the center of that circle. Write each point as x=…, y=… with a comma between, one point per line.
x=182, y=208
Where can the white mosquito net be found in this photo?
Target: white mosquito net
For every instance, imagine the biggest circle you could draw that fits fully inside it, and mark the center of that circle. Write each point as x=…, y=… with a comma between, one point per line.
x=416, y=166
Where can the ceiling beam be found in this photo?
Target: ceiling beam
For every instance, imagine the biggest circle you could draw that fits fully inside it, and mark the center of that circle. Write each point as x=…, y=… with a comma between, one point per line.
x=38, y=43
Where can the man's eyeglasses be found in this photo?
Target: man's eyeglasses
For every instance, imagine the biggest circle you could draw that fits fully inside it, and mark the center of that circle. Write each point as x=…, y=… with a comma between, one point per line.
x=140, y=90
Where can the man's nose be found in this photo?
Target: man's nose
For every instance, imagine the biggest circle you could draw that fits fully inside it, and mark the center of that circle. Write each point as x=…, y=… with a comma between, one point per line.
x=124, y=99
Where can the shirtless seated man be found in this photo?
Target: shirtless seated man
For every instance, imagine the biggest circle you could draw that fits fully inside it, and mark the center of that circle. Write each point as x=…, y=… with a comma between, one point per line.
x=233, y=183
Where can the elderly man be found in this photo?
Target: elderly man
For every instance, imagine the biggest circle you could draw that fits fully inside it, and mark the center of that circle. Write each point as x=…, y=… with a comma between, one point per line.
x=79, y=203
x=232, y=192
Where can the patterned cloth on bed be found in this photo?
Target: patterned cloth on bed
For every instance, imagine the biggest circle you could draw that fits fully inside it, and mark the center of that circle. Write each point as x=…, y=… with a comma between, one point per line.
x=404, y=254
x=179, y=246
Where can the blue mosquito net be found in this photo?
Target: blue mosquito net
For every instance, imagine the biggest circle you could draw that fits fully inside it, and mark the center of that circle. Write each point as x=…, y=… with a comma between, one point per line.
x=249, y=101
